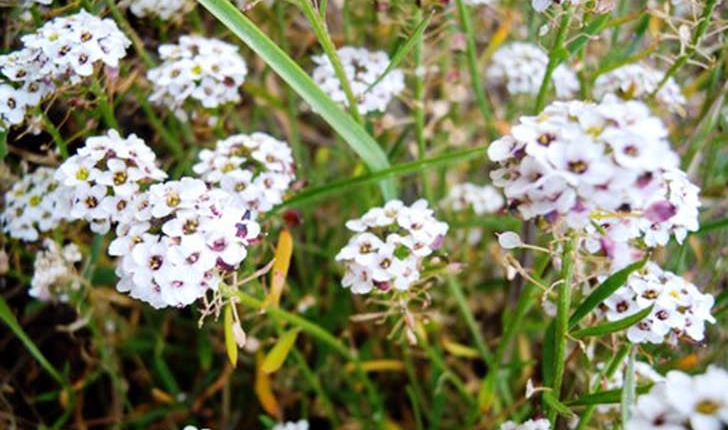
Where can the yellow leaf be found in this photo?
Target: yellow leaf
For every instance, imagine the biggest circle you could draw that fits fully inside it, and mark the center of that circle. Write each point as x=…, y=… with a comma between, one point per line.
x=459, y=350
x=263, y=390
x=230, y=344
x=162, y=396
x=277, y=355
x=378, y=366
x=688, y=362
x=282, y=262
x=500, y=36
x=391, y=425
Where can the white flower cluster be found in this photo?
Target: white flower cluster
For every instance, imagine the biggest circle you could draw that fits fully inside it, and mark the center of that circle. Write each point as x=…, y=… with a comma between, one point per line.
x=34, y=204
x=362, y=69
x=521, y=67
x=389, y=246
x=684, y=402
x=637, y=81
x=481, y=198
x=65, y=49
x=290, y=425
x=257, y=169
x=608, y=163
x=164, y=9
x=537, y=424
x=179, y=237
x=209, y=71
x=105, y=175
x=54, y=273
x=678, y=307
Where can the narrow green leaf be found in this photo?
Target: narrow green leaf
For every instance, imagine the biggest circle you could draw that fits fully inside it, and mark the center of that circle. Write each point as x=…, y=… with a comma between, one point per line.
x=403, y=50
x=585, y=34
x=3, y=144
x=629, y=390
x=613, y=326
x=606, y=397
x=230, y=346
x=549, y=354
x=357, y=138
x=556, y=405
x=344, y=185
x=9, y=318
x=603, y=291
x=277, y=355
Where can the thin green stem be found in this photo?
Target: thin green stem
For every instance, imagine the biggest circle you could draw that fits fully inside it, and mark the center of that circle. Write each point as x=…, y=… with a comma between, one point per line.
x=172, y=142
x=419, y=109
x=51, y=128
x=319, y=28
x=475, y=78
x=129, y=31
x=700, y=31
x=557, y=54
x=608, y=374
x=107, y=109
x=562, y=322
x=323, y=336
x=485, y=352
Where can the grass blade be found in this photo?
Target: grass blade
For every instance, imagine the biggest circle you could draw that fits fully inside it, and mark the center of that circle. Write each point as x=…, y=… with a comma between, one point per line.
x=344, y=185
x=403, y=50
x=275, y=358
x=603, y=291
x=606, y=397
x=9, y=318
x=357, y=138
x=613, y=326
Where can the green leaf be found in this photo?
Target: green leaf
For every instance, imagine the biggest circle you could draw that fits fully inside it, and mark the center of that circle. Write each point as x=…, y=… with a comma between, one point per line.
x=230, y=346
x=277, y=355
x=357, y=138
x=603, y=291
x=613, y=326
x=585, y=34
x=629, y=391
x=606, y=397
x=403, y=50
x=549, y=354
x=9, y=319
x=345, y=185
x=3, y=144
x=556, y=405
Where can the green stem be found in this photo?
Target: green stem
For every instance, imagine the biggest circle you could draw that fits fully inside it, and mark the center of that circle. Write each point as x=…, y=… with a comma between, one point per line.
x=107, y=110
x=55, y=135
x=608, y=374
x=323, y=336
x=700, y=31
x=485, y=352
x=129, y=31
x=172, y=143
x=475, y=78
x=419, y=109
x=557, y=54
x=562, y=322
x=319, y=28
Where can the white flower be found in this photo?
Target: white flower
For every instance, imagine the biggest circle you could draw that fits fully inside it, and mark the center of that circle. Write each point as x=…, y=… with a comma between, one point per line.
x=682, y=401
x=13, y=105
x=164, y=9
x=509, y=240
x=257, y=169
x=482, y=199
x=362, y=69
x=637, y=81
x=36, y=203
x=184, y=238
x=679, y=308
x=610, y=164
x=521, y=67
x=390, y=246
x=290, y=425
x=538, y=424
x=65, y=49
x=209, y=71
x=104, y=175
x=54, y=274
